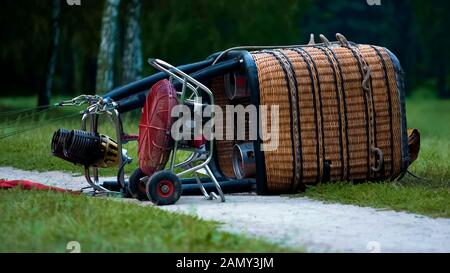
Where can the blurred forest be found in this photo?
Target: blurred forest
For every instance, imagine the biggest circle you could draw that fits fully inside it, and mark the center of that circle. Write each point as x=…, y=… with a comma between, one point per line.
x=105, y=43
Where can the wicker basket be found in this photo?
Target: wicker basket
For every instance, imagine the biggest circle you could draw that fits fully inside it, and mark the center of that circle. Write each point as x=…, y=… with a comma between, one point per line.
x=342, y=115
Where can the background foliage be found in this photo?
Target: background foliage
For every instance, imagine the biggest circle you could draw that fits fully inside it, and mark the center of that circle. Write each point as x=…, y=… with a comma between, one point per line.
x=186, y=31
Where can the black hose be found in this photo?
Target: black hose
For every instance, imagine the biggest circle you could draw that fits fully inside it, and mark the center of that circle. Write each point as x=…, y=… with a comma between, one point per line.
x=146, y=83
x=228, y=187
x=191, y=188
x=132, y=103
x=137, y=101
x=84, y=148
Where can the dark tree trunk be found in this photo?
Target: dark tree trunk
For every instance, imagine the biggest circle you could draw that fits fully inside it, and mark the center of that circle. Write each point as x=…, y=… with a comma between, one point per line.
x=89, y=82
x=132, y=53
x=108, y=44
x=443, y=91
x=45, y=93
x=68, y=66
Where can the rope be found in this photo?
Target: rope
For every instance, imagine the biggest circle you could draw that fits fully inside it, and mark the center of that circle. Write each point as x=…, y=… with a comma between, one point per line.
x=325, y=42
x=418, y=177
x=292, y=88
x=316, y=90
x=34, y=127
x=265, y=47
x=340, y=90
x=25, y=116
x=366, y=72
x=26, y=110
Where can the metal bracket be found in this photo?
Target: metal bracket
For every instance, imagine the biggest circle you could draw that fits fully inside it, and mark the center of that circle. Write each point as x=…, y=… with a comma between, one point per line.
x=93, y=177
x=196, y=87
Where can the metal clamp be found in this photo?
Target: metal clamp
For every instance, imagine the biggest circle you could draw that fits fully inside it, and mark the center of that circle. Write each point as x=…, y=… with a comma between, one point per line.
x=81, y=100
x=93, y=177
x=96, y=104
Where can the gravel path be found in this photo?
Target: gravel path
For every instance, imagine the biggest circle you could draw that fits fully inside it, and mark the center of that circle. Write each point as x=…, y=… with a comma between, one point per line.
x=299, y=221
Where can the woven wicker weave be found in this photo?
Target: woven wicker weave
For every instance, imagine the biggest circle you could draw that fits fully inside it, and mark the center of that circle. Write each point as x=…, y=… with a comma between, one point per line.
x=225, y=148
x=340, y=111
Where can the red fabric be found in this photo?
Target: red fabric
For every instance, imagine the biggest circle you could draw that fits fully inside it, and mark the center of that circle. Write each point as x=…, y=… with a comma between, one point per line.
x=155, y=141
x=28, y=185
x=198, y=143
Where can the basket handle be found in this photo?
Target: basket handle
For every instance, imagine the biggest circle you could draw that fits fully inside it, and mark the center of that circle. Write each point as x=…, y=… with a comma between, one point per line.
x=379, y=159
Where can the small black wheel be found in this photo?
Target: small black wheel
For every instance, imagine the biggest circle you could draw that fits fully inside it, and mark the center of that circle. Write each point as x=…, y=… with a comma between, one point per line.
x=126, y=193
x=137, y=187
x=164, y=188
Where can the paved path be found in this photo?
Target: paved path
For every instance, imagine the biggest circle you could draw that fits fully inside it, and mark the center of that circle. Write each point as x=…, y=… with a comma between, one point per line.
x=300, y=221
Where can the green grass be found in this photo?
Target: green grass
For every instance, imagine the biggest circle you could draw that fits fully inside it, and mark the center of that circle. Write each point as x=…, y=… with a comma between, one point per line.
x=31, y=151
x=433, y=202
x=46, y=222
x=428, y=197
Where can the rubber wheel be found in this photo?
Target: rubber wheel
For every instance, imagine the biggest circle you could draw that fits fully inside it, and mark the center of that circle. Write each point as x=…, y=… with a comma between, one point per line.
x=126, y=193
x=164, y=188
x=136, y=187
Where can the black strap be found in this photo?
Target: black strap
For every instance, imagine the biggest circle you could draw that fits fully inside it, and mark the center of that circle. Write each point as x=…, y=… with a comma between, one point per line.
x=319, y=113
x=386, y=79
x=367, y=120
x=344, y=98
x=292, y=86
x=338, y=99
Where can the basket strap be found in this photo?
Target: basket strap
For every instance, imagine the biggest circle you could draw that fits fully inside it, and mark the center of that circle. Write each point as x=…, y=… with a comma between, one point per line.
x=292, y=86
x=345, y=120
x=390, y=100
x=317, y=101
x=365, y=72
x=342, y=109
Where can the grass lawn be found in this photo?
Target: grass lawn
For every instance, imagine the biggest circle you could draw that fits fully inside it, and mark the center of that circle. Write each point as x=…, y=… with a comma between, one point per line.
x=31, y=151
x=47, y=222
x=429, y=197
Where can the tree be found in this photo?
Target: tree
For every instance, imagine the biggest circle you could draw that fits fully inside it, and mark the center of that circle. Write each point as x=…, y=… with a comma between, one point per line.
x=132, y=52
x=46, y=92
x=108, y=44
x=432, y=19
